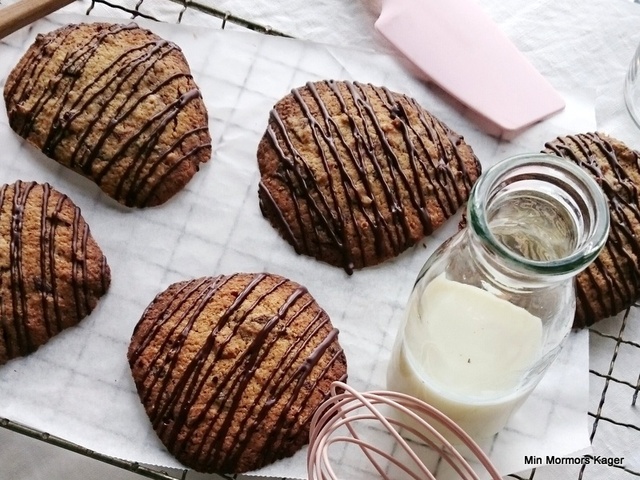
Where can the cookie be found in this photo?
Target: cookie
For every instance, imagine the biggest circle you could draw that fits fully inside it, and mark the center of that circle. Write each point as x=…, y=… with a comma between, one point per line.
x=230, y=369
x=355, y=174
x=115, y=103
x=612, y=283
x=52, y=271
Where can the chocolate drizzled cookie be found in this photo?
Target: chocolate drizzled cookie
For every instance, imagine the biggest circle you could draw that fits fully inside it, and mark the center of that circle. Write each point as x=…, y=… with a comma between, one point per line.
x=230, y=369
x=354, y=174
x=612, y=283
x=52, y=271
x=115, y=103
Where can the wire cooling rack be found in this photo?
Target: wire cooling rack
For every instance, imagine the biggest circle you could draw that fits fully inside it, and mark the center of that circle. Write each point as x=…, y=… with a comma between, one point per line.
x=614, y=372
x=138, y=8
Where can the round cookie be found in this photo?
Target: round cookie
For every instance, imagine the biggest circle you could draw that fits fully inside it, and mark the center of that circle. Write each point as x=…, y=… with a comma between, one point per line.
x=230, y=369
x=354, y=174
x=115, y=103
x=52, y=271
x=612, y=283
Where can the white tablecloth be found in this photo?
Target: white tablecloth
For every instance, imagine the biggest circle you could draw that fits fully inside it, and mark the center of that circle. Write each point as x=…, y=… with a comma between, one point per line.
x=586, y=45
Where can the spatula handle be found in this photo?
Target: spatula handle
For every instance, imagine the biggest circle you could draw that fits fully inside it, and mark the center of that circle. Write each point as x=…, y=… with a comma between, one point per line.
x=24, y=12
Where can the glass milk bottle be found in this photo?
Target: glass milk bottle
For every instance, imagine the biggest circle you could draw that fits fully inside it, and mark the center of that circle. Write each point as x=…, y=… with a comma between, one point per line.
x=492, y=306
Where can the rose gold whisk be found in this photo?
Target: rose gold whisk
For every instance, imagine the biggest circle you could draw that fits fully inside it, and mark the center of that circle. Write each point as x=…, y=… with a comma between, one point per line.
x=346, y=407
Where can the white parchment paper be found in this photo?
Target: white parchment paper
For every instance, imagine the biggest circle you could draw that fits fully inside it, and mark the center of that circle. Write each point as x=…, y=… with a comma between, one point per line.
x=79, y=387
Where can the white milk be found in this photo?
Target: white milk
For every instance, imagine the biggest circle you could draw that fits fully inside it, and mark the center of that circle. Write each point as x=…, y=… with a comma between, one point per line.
x=468, y=360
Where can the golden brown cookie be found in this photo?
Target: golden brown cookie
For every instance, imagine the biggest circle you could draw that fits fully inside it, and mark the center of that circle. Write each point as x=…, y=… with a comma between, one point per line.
x=612, y=283
x=354, y=174
x=115, y=103
x=230, y=369
x=52, y=271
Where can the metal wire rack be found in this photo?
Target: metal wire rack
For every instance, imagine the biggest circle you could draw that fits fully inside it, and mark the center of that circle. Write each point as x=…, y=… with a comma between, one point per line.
x=225, y=17
x=603, y=376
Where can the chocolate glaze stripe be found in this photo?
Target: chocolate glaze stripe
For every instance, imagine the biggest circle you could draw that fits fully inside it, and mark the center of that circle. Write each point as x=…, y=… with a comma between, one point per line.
x=123, y=69
x=275, y=385
x=279, y=384
x=83, y=261
x=623, y=229
x=373, y=215
x=52, y=262
x=430, y=169
x=266, y=197
x=148, y=147
x=16, y=293
x=18, y=288
x=87, y=98
x=454, y=140
x=301, y=401
x=42, y=286
x=5, y=333
x=119, y=116
x=170, y=348
x=167, y=401
x=200, y=377
x=324, y=140
x=339, y=354
x=251, y=358
x=378, y=223
x=296, y=180
x=178, y=300
x=163, y=119
x=82, y=55
x=409, y=132
x=394, y=168
x=177, y=164
x=394, y=201
x=29, y=68
x=433, y=127
x=416, y=194
x=76, y=283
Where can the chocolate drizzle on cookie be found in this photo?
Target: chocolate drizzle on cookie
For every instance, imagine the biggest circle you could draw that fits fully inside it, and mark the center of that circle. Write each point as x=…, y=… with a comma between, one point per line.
x=230, y=364
x=612, y=283
x=112, y=103
x=52, y=272
x=354, y=174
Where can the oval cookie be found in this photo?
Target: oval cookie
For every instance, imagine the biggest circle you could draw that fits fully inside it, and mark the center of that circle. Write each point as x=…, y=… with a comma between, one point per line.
x=355, y=174
x=230, y=369
x=115, y=103
x=612, y=283
x=52, y=271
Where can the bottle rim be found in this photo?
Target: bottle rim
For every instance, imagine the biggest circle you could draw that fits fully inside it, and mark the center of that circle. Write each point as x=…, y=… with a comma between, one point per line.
x=494, y=178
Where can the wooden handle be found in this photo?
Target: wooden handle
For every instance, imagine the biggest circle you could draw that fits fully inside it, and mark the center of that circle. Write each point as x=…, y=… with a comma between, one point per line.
x=24, y=12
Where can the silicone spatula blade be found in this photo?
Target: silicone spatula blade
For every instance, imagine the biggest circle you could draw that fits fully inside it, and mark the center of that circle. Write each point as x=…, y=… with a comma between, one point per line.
x=461, y=49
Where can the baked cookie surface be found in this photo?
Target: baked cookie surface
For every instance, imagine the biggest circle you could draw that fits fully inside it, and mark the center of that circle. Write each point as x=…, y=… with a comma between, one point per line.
x=612, y=283
x=230, y=369
x=52, y=271
x=115, y=103
x=354, y=174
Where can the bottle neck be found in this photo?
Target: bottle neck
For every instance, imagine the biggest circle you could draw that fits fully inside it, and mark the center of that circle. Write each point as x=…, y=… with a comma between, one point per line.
x=536, y=219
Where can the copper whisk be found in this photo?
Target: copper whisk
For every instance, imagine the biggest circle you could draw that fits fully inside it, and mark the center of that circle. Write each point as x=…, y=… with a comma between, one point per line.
x=346, y=407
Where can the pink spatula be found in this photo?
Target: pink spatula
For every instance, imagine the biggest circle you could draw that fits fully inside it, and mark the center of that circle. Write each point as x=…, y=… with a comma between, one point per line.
x=457, y=46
